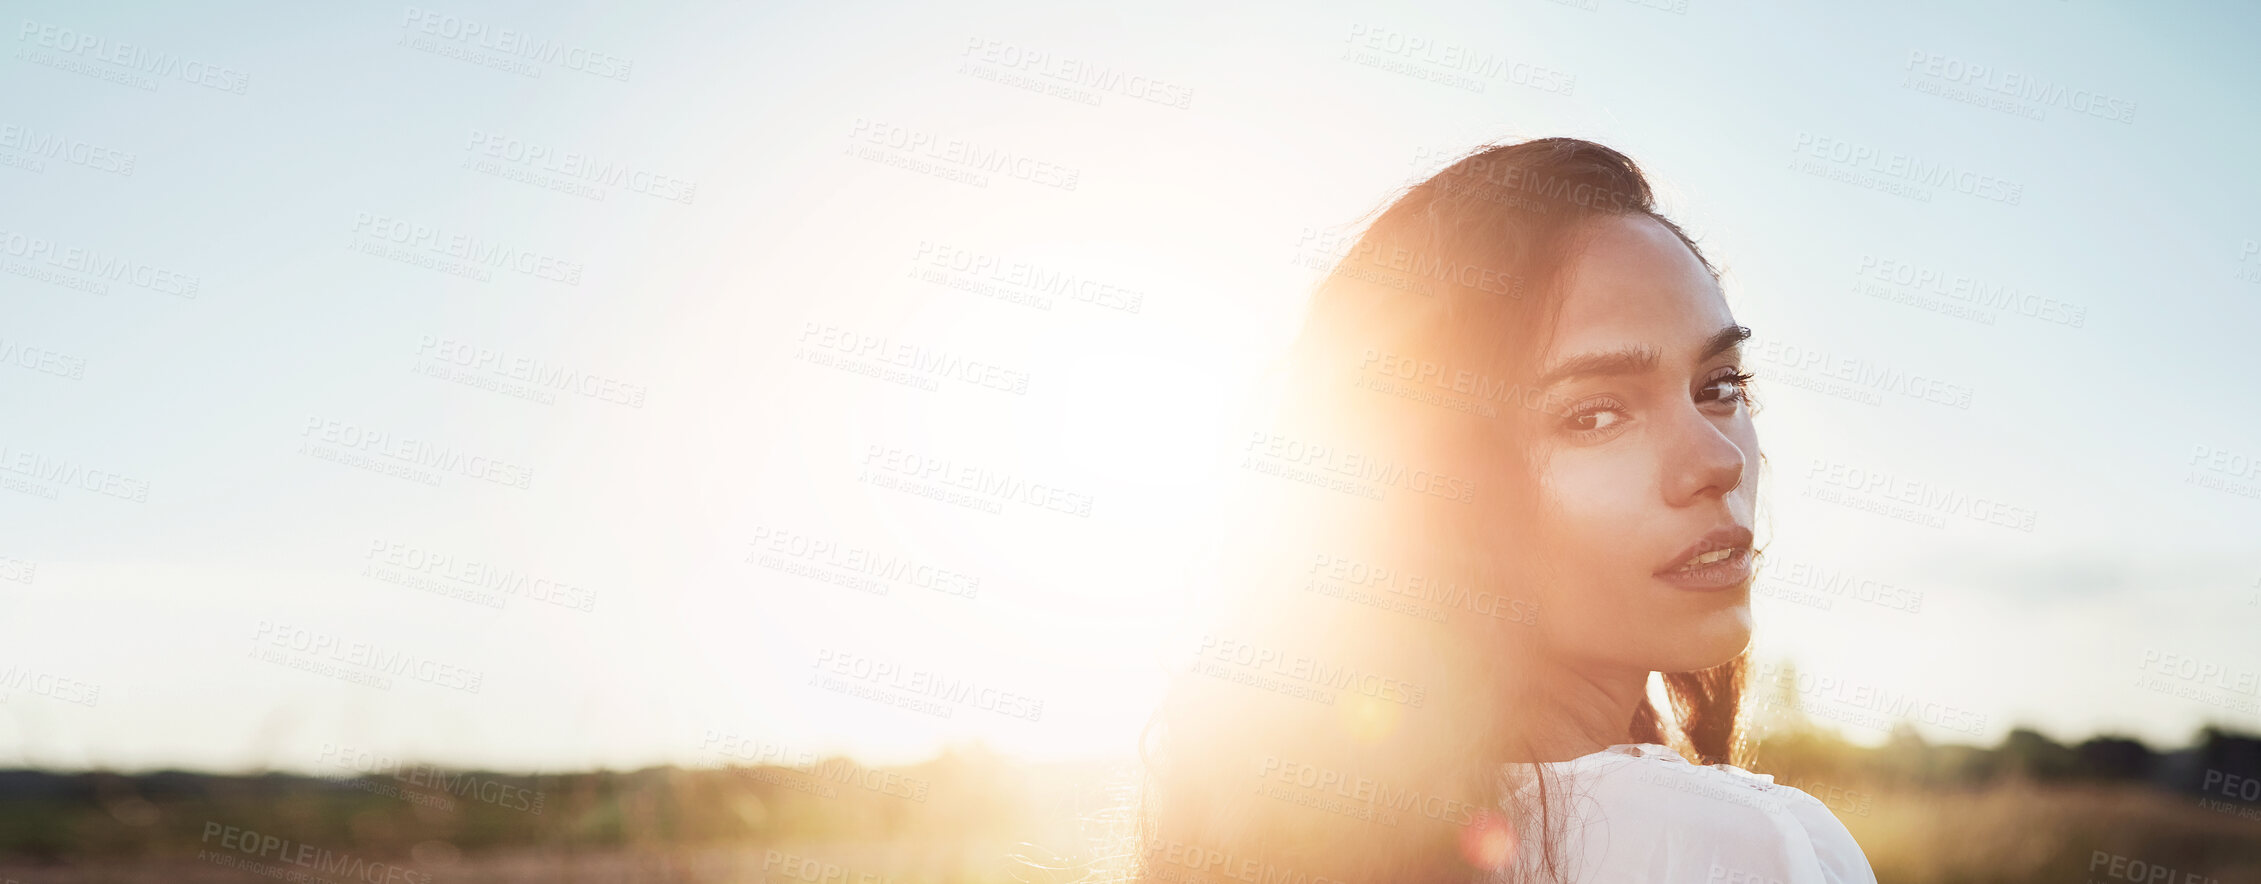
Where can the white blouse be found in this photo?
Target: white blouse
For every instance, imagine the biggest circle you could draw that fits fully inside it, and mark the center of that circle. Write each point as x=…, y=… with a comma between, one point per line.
x=1640, y=812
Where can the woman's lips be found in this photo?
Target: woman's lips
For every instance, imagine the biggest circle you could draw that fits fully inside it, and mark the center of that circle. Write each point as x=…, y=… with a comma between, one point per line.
x=1720, y=574
x=1728, y=572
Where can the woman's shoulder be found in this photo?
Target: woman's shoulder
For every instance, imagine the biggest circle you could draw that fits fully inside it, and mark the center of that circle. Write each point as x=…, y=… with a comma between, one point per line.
x=1642, y=812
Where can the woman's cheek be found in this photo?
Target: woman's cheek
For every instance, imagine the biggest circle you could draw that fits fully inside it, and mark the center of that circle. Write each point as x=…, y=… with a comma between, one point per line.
x=1595, y=493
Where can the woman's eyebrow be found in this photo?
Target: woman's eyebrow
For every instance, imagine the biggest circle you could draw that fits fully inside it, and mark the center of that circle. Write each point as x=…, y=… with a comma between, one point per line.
x=1724, y=340
x=1635, y=358
x=1629, y=359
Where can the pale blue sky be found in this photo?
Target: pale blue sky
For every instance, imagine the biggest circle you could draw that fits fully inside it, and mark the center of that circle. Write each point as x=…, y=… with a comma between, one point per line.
x=793, y=233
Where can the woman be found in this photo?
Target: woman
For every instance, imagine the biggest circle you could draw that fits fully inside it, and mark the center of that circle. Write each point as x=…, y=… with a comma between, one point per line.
x=1510, y=483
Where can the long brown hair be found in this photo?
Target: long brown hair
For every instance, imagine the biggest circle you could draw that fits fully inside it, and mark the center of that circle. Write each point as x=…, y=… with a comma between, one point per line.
x=1348, y=718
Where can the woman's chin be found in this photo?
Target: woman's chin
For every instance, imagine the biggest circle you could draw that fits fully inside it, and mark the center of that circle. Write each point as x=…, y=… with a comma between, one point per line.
x=1721, y=637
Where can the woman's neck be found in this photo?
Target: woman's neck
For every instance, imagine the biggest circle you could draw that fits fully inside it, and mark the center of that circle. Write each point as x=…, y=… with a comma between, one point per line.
x=1575, y=711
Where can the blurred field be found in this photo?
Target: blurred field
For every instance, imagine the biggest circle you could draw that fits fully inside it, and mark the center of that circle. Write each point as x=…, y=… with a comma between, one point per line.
x=2026, y=832
x=2026, y=810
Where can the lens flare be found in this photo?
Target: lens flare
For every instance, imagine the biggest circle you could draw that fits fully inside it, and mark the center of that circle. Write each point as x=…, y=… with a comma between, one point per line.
x=1488, y=842
x=1370, y=720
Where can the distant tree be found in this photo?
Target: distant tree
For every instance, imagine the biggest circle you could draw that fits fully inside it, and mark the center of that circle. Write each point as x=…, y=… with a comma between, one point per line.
x=2116, y=758
x=2218, y=756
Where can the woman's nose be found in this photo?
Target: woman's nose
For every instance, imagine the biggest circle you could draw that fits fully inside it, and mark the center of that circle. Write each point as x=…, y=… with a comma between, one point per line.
x=1702, y=459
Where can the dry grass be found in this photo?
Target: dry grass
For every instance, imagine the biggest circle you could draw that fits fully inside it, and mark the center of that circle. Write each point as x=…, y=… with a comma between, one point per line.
x=2019, y=832
x=2013, y=831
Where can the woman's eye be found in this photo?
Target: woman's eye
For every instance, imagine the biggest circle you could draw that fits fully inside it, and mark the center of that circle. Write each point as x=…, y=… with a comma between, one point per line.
x=1730, y=388
x=1597, y=419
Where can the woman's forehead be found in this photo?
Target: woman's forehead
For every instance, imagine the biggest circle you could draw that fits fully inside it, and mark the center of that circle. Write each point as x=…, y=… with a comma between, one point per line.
x=1631, y=281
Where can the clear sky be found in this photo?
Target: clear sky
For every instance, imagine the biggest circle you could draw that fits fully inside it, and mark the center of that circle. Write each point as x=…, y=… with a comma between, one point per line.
x=319, y=318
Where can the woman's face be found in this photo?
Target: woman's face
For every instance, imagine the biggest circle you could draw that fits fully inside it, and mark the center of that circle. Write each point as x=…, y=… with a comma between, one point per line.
x=1644, y=454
